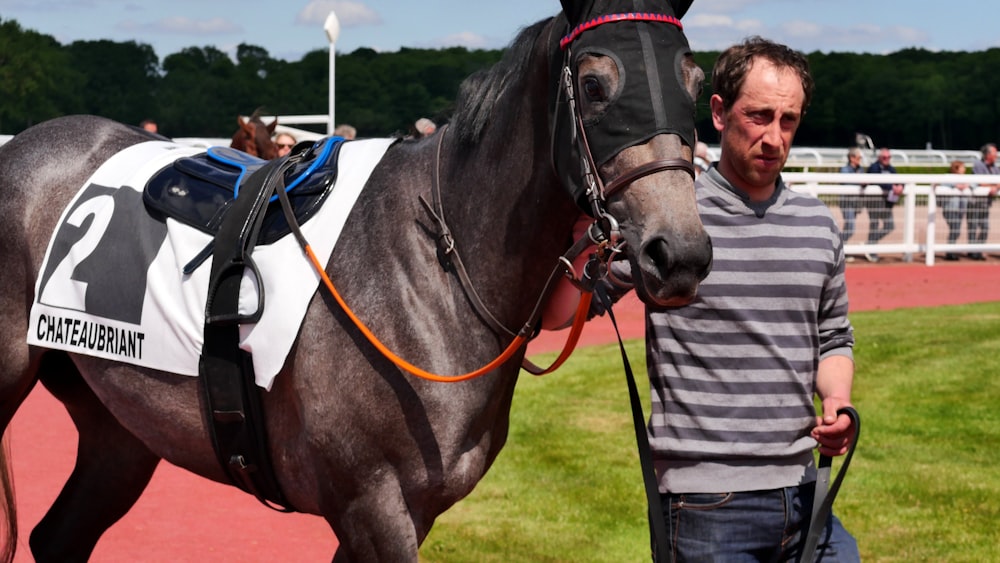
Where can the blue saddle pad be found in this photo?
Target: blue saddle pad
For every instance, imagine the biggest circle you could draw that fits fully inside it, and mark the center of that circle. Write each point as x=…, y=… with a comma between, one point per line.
x=198, y=190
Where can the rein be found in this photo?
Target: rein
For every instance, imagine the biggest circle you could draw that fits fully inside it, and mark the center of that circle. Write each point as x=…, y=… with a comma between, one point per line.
x=447, y=244
x=605, y=236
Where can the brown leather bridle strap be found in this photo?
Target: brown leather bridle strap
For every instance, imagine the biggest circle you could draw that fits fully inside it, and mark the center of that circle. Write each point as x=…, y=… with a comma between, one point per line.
x=446, y=243
x=638, y=172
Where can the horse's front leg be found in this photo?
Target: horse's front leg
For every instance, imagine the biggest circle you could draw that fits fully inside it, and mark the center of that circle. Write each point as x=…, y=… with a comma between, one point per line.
x=376, y=526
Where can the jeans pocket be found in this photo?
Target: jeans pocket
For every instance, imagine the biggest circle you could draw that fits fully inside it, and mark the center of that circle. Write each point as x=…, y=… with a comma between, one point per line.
x=700, y=501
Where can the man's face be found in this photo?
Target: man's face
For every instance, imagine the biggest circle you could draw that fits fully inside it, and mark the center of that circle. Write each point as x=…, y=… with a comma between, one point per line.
x=758, y=128
x=991, y=156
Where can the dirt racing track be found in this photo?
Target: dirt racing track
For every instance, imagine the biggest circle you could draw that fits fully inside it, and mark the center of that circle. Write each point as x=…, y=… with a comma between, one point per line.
x=184, y=518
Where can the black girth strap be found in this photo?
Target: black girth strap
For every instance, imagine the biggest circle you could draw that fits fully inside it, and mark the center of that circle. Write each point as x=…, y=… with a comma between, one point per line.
x=235, y=413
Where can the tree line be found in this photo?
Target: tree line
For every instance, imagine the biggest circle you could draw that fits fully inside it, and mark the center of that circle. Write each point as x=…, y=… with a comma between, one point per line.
x=905, y=99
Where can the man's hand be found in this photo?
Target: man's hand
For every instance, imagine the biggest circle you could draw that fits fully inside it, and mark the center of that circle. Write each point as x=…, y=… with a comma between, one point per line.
x=833, y=433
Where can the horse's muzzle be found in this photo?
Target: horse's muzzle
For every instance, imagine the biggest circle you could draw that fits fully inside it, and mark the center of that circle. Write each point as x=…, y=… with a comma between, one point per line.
x=668, y=271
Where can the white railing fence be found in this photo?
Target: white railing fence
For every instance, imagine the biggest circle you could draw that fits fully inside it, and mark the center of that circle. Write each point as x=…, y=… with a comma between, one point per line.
x=920, y=225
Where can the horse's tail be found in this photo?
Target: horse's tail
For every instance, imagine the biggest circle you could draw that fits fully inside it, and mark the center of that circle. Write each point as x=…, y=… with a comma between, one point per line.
x=8, y=519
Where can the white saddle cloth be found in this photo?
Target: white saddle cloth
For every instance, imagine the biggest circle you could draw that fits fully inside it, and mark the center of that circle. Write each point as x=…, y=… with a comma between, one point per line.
x=162, y=326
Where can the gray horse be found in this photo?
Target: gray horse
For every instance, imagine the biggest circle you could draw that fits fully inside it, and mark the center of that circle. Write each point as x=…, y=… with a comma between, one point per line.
x=374, y=450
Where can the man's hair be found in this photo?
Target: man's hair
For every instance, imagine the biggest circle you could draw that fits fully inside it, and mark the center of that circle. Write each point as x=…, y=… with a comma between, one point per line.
x=734, y=63
x=986, y=148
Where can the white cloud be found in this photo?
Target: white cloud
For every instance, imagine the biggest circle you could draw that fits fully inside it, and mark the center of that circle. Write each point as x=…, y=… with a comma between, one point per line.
x=715, y=32
x=180, y=25
x=349, y=13
x=800, y=28
x=462, y=39
x=718, y=30
x=717, y=22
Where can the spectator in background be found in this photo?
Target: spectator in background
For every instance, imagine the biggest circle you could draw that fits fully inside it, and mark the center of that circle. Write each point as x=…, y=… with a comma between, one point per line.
x=423, y=127
x=701, y=158
x=953, y=207
x=850, y=204
x=346, y=131
x=149, y=125
x=880, y=222
x=978, y=211
x=284, y=143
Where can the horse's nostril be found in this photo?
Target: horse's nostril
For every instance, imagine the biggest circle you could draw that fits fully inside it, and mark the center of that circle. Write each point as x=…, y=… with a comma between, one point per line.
x=657, y=253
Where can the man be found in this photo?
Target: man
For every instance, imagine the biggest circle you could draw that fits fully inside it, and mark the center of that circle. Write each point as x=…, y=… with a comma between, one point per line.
x=424, y=127
x=978, y=209
x=849, y=202
x=701, y=158
x=733, y=374
x=880, y=222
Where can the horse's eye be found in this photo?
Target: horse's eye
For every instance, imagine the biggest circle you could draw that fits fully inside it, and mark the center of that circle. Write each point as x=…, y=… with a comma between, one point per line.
x=593, y=89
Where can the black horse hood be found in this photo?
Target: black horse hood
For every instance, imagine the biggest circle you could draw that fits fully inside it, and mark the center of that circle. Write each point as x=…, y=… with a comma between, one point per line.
x=649, y=49
x=646, y=41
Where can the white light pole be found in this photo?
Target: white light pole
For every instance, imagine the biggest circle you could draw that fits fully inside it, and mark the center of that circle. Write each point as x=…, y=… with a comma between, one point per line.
x=332, y=28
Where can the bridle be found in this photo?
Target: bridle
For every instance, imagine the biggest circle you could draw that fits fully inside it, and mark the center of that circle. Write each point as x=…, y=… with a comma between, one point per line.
x=597, y=192
x=602, y=234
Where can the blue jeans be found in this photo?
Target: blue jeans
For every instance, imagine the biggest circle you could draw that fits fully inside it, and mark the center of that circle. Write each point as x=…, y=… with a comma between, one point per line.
x=750, y=526
x=880, y=221
x=850, y=211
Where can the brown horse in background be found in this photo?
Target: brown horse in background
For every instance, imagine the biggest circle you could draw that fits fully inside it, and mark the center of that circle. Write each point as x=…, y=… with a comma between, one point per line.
x=254, y=137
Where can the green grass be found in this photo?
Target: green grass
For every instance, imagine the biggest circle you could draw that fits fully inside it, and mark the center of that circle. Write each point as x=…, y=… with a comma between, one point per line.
x=924, y=484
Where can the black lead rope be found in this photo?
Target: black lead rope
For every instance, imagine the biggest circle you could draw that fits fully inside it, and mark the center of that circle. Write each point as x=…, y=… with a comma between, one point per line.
x=658, y=526
x=827, y=493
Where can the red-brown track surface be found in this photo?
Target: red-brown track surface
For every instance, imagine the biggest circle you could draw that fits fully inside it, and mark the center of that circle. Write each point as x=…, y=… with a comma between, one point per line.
x=184, y=518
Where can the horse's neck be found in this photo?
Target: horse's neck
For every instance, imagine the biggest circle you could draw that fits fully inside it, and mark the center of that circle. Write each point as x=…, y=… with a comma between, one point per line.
x=508, y=213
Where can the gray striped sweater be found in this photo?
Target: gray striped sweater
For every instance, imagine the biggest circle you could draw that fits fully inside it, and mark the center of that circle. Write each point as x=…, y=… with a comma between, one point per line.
x=733, y=374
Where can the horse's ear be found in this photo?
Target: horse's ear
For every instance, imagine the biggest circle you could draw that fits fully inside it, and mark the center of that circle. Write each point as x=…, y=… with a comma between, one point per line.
x=681, y=7
x=575, y=10
x=271, y=126
x=244, y=125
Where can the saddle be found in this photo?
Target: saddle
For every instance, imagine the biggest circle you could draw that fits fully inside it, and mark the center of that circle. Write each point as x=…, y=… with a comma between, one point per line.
x=199, y=190
x=233, y=196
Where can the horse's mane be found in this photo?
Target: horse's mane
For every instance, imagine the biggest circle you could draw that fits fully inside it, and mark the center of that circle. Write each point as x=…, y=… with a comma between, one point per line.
x=479, y=93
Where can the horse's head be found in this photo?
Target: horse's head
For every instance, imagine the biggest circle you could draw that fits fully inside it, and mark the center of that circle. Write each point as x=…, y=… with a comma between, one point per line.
x=254, y=137
x=623, y=135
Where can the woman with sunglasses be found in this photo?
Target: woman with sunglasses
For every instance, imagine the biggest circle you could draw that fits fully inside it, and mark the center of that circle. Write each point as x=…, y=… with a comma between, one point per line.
x=284, y=143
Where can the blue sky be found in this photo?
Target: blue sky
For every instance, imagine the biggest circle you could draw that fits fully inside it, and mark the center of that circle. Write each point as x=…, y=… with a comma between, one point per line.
x=290, y=28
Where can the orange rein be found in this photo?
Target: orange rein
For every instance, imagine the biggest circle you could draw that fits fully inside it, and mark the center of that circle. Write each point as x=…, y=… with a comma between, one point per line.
x=579, y=319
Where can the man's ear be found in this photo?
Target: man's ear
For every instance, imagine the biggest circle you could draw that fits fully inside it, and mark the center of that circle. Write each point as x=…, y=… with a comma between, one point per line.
x=718, y=112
